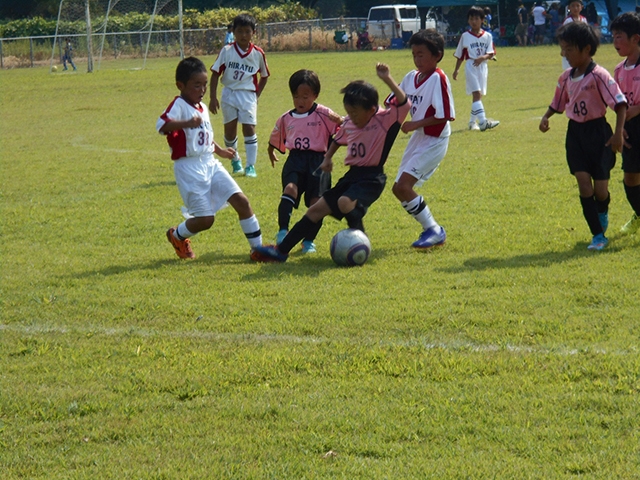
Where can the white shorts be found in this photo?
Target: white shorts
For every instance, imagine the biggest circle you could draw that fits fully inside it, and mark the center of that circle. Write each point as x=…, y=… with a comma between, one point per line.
x=204, y=184
x=476, y=77
x=239, y=104
x=422, y=156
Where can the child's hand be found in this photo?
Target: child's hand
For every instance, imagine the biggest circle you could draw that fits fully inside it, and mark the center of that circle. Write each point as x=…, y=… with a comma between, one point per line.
x=544, y=124
x=455, y=74
x=382, y=69
x=615, y=142
x=478, y=61
x=195, y=121
x=227, y=152
x=408, y=127
x=336, y=119
x=214, y=105
x=272, y=157
x=326, y=165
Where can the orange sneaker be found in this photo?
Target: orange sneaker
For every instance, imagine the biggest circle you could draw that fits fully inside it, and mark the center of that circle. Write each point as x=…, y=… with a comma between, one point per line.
x=183, y=247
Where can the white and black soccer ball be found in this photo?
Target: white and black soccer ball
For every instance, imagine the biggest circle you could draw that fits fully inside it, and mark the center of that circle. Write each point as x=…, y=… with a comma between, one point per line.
x=350, y=247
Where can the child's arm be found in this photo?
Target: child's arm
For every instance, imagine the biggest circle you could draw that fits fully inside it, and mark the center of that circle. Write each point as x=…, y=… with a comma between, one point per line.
x=214, y=105
x=261, y=84
x=478, y=61
x=227, y=152
x=544, y=121
x=327, y=162
x=272, y=155
x=412, y=125
x=173, y=125
x=455, y=71
x=382, y=69
x=617, y=140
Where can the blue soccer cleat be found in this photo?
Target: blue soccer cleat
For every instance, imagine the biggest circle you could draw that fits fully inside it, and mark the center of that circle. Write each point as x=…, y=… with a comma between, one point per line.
x=280, y=236
x=250, y=171
x=431, y=237
x=268, y=253
x=598, y=243
x=308, y=246
x=604, y=221
x=236, y=165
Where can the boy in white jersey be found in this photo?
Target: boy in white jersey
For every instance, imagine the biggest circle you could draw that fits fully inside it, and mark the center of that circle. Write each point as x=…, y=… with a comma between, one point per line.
x=238, y=67
x=306, y=132
x=369, y=132
x=432, y=108
x=204, y=184
x=626, y=40
x=475, y=48
x=584, y=92
x=573, y=15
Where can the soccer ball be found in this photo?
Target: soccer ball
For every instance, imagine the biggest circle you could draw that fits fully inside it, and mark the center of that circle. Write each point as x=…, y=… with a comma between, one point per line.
x=54, y=69
x=350, y=247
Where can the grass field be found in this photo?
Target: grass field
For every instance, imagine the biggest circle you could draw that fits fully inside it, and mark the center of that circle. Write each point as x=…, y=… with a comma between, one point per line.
x=511, y=352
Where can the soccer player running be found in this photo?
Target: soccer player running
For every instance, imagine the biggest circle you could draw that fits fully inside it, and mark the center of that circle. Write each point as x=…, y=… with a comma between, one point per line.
x=368, y=132
x=432, y=108
x=583, y=92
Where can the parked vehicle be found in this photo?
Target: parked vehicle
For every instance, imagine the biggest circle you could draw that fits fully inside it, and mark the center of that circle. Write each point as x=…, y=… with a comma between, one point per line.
x=389, y=21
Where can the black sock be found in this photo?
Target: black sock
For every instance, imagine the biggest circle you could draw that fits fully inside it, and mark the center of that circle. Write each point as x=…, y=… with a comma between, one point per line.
x=603, y=205
x=310, y=237
x=284, y=211
x=633, y=196
x=354, y=218
x=590, y=212
x=300, y=230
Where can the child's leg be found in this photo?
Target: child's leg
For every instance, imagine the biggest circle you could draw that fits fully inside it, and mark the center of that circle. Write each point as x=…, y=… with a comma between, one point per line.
x=179, y=236
x=632, y=190
x=477, y=108
x=250, y=144
x=413, y=203
x=311, y=236
x=287, y=204
x=248, y=220
x=305, y=226
x=231, y=140
x=588, y=202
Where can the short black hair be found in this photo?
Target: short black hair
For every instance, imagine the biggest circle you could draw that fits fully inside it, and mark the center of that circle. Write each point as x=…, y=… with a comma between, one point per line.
x=245, y=20
x=360, y=94
x=431, y=39
x=580, y=35
x=628, y=23
x=305, y=77
x=188, y=67
x=475, y=12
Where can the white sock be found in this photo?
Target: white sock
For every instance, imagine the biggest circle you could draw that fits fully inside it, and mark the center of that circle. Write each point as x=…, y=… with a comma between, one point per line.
x=182, y=232
x=251, y=229
x=418, y=209
x=477, y=111
x=233, y=144
x=251, y=148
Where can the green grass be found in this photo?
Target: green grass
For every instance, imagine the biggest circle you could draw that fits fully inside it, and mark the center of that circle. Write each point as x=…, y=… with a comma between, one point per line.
x=512, y=352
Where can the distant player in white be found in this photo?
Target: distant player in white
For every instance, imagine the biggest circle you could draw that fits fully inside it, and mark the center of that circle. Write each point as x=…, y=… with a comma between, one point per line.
x=573, y=15
x=204, y=185
x=475, y=48
x=432, y=108
x=238, y=67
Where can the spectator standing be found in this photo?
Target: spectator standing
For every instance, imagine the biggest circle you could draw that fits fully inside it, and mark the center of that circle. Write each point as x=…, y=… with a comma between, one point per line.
x=539, y=22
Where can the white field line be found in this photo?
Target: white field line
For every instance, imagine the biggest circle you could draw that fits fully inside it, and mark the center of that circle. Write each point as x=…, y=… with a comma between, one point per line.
x=294, y=339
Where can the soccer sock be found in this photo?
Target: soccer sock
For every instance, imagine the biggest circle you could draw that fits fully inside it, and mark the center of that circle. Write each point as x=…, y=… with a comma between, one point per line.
x=233, y=144
x=182, y=232
x=354, y=218
x=633, y=196
x=251, y=149
x=477, y=111
x=251, y=229
x=603, y=205
x=419, y=210
x=311, y=236
x=300, y=230
x=590, y=212
x=285, y=209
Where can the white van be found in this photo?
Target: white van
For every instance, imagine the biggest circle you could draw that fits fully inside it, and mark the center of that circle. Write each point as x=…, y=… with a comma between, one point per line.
x=389, y=21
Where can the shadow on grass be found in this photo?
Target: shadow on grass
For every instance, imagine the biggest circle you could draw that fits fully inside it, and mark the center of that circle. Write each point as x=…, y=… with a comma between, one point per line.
x=166, y=183
x=541, y=259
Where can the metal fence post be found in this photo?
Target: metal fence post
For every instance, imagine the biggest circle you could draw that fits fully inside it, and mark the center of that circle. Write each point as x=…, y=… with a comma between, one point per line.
x=1, y=56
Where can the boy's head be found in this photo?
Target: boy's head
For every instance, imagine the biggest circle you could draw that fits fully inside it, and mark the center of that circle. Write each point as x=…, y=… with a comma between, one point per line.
x=627, y=23
x=245, y=20
x=580, y=35
x=475, y=12
x=191, y=79
x=431, y=40
x=244, y=27
x=575, y=7
x=305, y=88
x=360, y=102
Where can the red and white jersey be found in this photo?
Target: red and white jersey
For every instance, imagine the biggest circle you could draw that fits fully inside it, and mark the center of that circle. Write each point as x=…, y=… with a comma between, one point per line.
x=473, y=46
x=239, y=70
x=187, y=142
x=430, y=97
x=586, y=97
x=628, y=78
x=570, y=19
x=369, y=146
x=304, y=131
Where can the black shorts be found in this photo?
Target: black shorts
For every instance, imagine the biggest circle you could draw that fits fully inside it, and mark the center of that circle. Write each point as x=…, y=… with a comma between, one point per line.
x=631, y=156
x=299, y=168
x=586, y=150
x=364, y=184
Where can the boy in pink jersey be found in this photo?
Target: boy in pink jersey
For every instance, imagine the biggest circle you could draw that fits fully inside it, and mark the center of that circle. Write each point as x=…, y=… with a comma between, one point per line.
x=475, y=48
x=584, y=92
x=626, y=40
x=238, y=67
x=204, y=185
x=432, y=108
x=306, y=132
x=368, y=132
